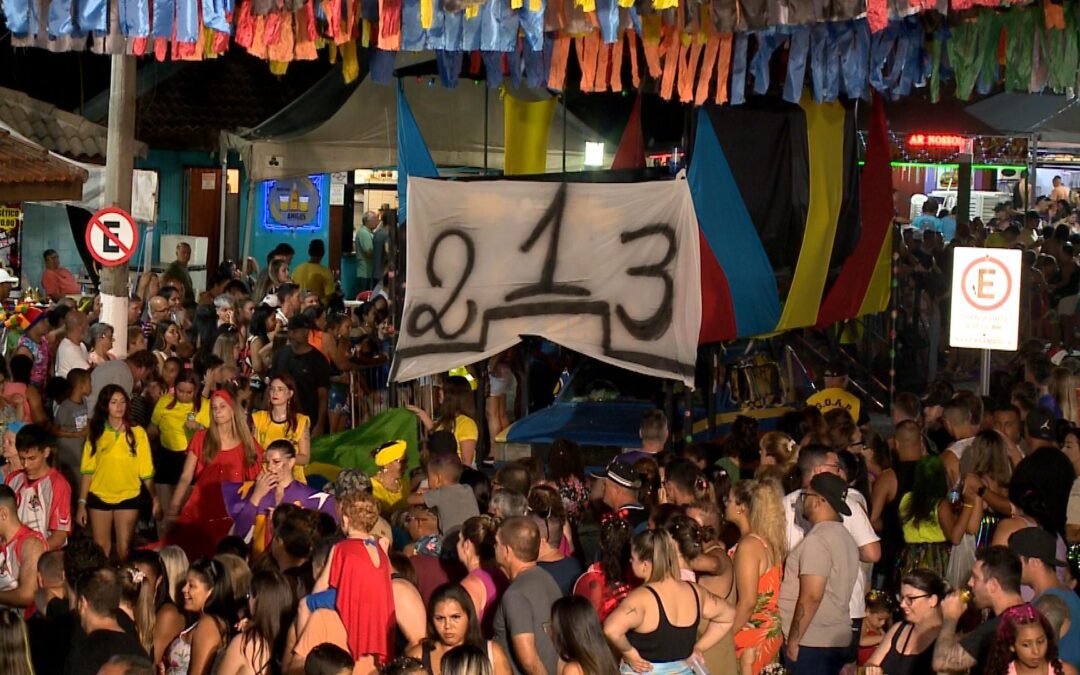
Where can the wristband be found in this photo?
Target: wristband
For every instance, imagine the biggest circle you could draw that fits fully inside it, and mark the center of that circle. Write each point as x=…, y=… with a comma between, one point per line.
x=82, y=501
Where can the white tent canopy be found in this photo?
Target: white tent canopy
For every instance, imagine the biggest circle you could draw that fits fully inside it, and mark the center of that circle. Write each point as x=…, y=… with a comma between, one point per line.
x=363, y=132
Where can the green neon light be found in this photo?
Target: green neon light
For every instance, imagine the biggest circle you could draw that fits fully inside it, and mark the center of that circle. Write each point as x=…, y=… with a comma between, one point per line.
x=976, y=167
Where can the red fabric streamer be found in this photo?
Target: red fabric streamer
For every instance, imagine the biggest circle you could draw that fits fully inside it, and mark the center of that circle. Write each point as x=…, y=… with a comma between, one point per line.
x=708, y=65
x=616, y=62
x=877, y=15
x=631, y=151
x=560, y=55
x=635, y=76
x=723, y=69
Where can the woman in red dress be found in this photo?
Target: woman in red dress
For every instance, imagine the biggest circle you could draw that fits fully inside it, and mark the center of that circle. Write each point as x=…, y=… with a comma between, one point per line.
x=224, y=453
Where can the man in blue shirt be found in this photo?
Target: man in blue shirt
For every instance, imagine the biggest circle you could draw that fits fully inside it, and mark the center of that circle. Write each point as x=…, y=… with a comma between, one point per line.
x=927, y=220
x=1037, y=550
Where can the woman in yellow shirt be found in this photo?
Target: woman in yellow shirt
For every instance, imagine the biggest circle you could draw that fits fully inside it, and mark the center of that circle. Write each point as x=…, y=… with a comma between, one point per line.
x=456, y=415
x=388, y=486
x=282, y=421
x=176, y=418
x=116, y=466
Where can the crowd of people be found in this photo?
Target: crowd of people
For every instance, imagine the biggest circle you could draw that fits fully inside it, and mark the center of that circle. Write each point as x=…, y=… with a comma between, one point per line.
x=156, y=515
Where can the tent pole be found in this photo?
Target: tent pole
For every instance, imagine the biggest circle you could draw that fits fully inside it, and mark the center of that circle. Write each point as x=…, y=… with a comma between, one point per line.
x=486, y=88
x=247, y=225
x=1033, y=150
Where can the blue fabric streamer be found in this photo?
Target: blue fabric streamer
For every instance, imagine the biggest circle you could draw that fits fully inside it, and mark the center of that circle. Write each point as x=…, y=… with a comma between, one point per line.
x=535, y=71
x=768, y=41
x=796, y=69
x=449, y=63
x=187, y=20
x=412, y=152
x=135, y=18
x=60, y=22
x=92, y=17
x=881, y=46
x=738, y=70
x=453, y=24
x=532, y=26
x=17, y=16
x=915, y=68
x=730, y=233
x=214, y=16
x=493, y=67
x=471, y=30
x=412, y=35
x=435, y=37
x=513, y=67
x=607, y=15
x=499, y=26
x=381, y=64
x=164, y=18
x=369, y=10
x=853, y=60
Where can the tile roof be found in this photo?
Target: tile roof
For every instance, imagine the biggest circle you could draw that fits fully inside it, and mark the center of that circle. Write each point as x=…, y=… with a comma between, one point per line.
x=26, y=165
x=56, y=130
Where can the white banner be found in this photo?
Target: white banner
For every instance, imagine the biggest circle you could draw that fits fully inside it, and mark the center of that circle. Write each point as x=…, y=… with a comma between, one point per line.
x=609, y=270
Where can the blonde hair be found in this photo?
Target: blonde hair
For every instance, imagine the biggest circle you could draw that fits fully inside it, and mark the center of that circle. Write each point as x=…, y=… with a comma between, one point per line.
x=765, y=502
x=361, y=508
x=988, y=455
x=1063, y=388
x=175, y=562
x=658, y=548
x=782, y=448
x=239, y=573
x=137, y=592
x=212, y=442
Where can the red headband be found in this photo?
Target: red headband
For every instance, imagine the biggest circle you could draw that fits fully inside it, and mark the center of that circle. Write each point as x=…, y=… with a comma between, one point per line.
x=221, y=393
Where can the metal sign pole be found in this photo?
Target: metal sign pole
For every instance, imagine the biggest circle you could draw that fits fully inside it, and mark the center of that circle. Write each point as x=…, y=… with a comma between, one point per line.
x=984, y=374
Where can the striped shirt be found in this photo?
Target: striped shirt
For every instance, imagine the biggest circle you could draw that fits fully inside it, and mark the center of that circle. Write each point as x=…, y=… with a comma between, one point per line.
x=45, y=503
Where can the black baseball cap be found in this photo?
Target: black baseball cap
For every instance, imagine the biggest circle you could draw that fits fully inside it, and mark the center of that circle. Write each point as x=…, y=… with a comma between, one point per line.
x=620, y=473
x=1041, y=424
x=832, y=489
x=836, y=369
x=1035, y=542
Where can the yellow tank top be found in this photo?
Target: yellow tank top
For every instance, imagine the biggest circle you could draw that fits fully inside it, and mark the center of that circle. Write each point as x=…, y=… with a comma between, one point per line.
x=923, y=532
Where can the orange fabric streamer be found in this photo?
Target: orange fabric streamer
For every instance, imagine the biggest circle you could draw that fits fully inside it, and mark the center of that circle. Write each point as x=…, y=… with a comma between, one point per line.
x=389, y=25
x=635, y=76
x=652, y=32
x=282, y=50
x=588, y=64
x=687, y=72
x=671, y=48
x=616, y=63
x=724, y=69
x=708, y=65
x=1055, y=15
x=600, y=82
x=560, y=55
x=258, y=43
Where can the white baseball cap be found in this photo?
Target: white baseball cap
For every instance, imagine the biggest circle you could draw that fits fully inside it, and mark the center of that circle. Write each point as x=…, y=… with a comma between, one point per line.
x=7, y=277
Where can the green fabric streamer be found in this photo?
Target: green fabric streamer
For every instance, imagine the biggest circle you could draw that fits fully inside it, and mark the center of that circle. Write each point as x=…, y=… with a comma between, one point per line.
x=1019, y=40
x=1061, y=53
x=935, y=69
x=351, y=449
x=987, y=53
x=962, y=48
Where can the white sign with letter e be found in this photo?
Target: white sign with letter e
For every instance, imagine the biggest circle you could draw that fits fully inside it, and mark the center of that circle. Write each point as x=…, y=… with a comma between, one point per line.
x=111, y=236
x=985, y=298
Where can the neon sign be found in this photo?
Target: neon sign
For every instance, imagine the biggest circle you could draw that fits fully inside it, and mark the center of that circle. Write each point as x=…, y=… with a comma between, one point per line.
x=937, y=141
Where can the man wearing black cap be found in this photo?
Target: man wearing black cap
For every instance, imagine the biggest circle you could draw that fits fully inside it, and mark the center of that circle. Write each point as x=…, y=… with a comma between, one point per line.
x=836, y=395
x=1039, y=562
x=1045, y=471
x=309, y=369
x=819, y=577
x=620, y=485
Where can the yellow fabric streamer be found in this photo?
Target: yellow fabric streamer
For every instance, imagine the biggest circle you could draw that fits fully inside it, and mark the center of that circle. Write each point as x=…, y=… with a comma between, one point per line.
x=535, y=5
x=350, y=66
x=427, y=13
x=516, y=4
x=472, y=11
x=587, y=6
x=527, y=126
x=665, y=4
x=877, y=293
x=651, y=28
x=365, y=33
x=279, y=67
x=824, y=136
x=626, y=4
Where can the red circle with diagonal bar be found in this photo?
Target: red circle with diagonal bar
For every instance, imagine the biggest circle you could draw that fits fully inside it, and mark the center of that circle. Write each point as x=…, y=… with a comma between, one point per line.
x=112, y=236
x=997, y=300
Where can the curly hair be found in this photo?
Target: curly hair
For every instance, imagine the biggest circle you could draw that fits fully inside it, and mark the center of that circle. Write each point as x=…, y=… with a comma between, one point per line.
x=765, y=501
x=1002, y=653
x=615, y=536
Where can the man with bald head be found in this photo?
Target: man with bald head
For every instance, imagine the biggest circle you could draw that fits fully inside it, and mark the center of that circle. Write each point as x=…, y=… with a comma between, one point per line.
x=159, y=310
x=72, y=352
x=365, y=251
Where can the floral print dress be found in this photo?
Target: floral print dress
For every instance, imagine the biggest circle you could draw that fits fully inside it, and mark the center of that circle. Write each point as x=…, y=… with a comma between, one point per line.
x=763, y=631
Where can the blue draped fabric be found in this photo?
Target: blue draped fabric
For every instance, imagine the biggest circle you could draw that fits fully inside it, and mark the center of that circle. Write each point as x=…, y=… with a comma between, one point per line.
x=381, y=65
x=60, y=18
x=17, y=15
x=797, y=57
x=769, y=40
x=135, y=18
x=412, y=35
x=453, y=25
x=726, y=225
x=164, y=18
x=449, y=64
x=493, y=70
x=412, y=152
x=92, y=17
x=214, y=16
x=470, y=33
x=187, y=20
x=499, y=26
x=607, y=15
x=854, y=59
x=738, y=69
x=532, y=25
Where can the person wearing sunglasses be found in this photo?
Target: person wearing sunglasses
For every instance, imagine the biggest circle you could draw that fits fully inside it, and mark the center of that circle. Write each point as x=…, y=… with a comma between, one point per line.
x=908, y=647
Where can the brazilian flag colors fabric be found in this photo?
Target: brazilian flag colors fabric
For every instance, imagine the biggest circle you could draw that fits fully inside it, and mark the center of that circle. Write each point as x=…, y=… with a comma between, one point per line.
x=351, y=449
x=786, y=241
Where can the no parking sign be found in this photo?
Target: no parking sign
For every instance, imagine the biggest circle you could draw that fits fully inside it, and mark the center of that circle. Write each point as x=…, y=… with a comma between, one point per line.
x=985, y=298
x=111, y=236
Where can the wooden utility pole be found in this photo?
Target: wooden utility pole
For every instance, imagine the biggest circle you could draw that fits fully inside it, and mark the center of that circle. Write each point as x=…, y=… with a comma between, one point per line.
x=119, y=168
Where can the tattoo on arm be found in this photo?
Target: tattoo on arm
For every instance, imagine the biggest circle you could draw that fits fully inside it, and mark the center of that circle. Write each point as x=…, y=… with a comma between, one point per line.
x=949, y=655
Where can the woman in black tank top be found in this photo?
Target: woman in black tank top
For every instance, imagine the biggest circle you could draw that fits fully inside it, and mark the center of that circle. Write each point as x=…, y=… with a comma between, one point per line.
x=451, y=623
x=908, y=647
x=655, y=627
